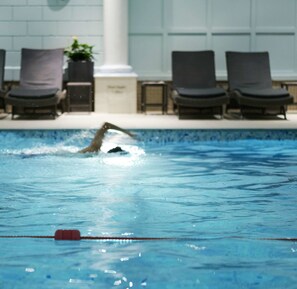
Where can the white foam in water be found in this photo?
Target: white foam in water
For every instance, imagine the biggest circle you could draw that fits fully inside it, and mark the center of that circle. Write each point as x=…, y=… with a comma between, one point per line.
x=43, y=150
x=129, y=157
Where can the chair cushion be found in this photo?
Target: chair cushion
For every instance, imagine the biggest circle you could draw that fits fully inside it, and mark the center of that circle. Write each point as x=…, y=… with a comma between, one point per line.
x=29, y=93
x=264, y=93
x=200, y=92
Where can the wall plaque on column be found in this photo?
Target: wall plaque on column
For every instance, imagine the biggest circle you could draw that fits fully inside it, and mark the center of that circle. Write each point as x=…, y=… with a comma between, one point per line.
x=116, y=94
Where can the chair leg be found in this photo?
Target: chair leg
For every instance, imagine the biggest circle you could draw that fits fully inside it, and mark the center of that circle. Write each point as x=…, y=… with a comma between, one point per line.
x=12, y=112
x=3, y=104
x=143, y=99
x=54, y=111
x=63, y=106
x=283, y=109
x=241, y=113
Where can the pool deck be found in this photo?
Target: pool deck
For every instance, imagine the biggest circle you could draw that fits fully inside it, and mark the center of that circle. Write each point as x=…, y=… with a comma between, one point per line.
x=145, y=121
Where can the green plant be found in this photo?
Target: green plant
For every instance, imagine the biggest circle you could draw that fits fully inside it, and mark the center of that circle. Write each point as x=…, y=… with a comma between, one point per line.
x=79, y=51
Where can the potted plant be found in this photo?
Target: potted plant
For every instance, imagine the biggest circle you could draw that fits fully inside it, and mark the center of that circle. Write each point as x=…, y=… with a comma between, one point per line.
x=80, y=61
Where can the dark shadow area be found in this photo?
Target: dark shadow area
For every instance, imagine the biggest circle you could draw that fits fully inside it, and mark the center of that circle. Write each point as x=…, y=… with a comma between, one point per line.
x=236, y=115
x=57, y=5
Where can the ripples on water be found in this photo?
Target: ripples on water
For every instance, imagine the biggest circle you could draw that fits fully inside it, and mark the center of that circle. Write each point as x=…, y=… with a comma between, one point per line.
x=212, y=191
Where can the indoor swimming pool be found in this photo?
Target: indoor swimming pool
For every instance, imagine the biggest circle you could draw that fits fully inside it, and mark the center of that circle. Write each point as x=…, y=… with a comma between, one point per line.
x=226, y=199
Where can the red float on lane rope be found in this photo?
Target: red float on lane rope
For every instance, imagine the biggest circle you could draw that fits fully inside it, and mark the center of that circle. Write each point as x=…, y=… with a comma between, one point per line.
x=71, y=235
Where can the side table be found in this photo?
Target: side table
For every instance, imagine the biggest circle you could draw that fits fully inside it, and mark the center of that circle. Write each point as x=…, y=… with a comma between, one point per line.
x=164, y=101
x=79, y=96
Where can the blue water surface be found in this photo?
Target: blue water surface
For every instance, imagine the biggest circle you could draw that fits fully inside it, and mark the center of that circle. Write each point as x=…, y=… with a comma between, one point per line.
x=223, y=199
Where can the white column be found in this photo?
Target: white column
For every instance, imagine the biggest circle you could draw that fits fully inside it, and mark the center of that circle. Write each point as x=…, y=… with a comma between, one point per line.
x=115, y=17
x=116, y=83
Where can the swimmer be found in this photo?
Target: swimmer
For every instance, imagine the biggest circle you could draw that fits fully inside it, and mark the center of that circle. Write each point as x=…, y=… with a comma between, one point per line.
x=97, y=141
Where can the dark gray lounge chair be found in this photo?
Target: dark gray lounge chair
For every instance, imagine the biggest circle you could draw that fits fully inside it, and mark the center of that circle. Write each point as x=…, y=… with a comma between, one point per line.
x=194, y=84
x=41, y=80
x=2, y=68
x=250, y=84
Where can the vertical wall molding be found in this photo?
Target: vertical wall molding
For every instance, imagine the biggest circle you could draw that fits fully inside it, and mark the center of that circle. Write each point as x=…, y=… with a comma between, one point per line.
x=253, y=24
x=209, y=23
x=295, y=48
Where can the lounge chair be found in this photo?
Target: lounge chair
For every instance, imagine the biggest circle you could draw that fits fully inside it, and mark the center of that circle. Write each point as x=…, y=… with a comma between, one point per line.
x=2, y=67
x=250, y=84
x=194, y=84
x=41, y=80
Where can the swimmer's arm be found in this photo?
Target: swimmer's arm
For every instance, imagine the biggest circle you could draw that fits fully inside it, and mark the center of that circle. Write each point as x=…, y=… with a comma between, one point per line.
x=96, y=143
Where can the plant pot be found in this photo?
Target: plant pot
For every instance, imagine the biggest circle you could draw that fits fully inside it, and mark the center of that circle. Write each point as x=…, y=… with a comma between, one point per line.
x=80, y=71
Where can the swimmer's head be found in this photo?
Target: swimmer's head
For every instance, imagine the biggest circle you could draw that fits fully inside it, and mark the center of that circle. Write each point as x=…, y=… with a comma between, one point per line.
x=116, y=150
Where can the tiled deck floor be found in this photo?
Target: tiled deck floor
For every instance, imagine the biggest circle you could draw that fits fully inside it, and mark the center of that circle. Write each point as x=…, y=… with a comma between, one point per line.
x=145, y=121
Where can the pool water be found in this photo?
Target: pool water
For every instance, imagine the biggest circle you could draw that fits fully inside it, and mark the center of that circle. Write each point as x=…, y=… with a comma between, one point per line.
x=222, y=198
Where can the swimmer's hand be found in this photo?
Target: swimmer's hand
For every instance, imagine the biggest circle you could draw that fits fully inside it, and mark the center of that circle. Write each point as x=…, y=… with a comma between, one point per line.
x=89, y=149
x=108, y=125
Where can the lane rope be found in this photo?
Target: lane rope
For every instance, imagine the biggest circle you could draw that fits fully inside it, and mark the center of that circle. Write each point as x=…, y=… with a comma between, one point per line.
x=74, y=235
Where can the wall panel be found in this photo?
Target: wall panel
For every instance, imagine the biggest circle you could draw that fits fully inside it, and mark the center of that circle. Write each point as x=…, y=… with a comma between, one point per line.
x=187, y=15
x=219, y=25
x=275, y=13
x=146, y=53
x=239, y=15
x=145, y=15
